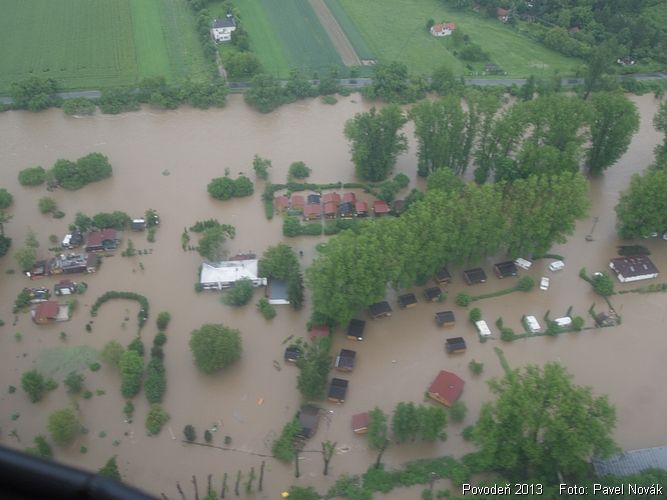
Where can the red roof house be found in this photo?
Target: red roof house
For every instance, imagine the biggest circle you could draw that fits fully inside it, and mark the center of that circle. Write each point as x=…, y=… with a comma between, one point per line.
x=446, y=388
x=46, y=312
x=360, y=423
x=319, y=331
x=330, y=209
x=443, y=29
x=281, y=202
x=349, y=198
x=361, y=207
x=298, y=202
x=502, y=14
x=311, y=212
x=101, y=240
x=380, y=207
x=331, y=197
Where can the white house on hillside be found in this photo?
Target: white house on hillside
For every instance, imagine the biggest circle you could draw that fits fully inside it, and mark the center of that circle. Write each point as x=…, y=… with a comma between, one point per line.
x=221, y=29
x=443, y=29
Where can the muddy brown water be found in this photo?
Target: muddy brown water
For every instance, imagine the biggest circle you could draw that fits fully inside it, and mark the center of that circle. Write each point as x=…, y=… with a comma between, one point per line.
x=252, y=400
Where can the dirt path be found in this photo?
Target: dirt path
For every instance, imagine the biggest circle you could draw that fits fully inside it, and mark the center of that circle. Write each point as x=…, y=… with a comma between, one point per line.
x=335, y=32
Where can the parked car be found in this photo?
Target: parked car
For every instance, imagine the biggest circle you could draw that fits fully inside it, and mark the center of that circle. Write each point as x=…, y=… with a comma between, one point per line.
x=523, y=263
x=556, y=265
x=544, y=283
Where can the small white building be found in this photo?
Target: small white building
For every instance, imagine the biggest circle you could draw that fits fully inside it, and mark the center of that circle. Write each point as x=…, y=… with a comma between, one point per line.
x=220, y=275
x=533, y=324
x=563, y=322
x=443, y=29
x=221, y=29
x=483, y=328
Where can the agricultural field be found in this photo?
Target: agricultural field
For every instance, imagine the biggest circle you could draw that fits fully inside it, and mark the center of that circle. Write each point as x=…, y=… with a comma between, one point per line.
x=94, y=44
x=287, y=35
x=399, y=33
x=350, y=29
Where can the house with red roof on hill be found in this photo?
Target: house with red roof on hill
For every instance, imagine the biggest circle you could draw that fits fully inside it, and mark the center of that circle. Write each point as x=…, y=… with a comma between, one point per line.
x=443, y=29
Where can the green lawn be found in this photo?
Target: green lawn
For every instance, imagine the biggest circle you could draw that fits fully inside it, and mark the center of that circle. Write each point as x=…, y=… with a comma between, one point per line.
x=395, y=30
x=350, y=29
x=92, y=44
x=287, y=34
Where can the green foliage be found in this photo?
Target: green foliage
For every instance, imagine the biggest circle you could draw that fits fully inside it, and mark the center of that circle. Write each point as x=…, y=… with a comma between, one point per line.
x=261, y=167
x=74, y=382
x=26, y=257
x=211, y=244
x=240, y=294
x=283, y=448
x=642, y=209
x=128, y=410
x=221, y=188
x=75, y=175
x=34, y=93
x=295, y=291
x=131, y=373
x=458, y=411
x=160, y=339
x=155, y=419
x=79, y=106
x=215, y=347
x=526, y=283
x=577, y=323
x=112, y=352
x=265, y=94
x=5, y=243
x=64, y=426
x=603, y=284
x=137, y=345
x=475, y=315
x=404, y=422
x=314, y=366
x=391, y=83
x=561, y=425
x=208, y=436
x=241, y=64
x=115, y=101
x=155, y=382
x=266, y=310
x=291, y=226
x=34, y=385
x=22, y=299
x=110, y=470
x=463, y=299
x=190, y=433
x=303, y=493
x=116, y=220
x=42, y=448
x=299, y=170
x=376, y=142
x=162, y=320
x=378, y=432
x=94, y=366
x=6, y=199
x=476, y=367
x=279, y=262
x=32, y=176
x=143, y=302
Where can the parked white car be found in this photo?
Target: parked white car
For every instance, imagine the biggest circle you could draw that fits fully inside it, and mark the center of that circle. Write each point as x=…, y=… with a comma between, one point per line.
x=556, y=265
x=544, y=283
x=523, y=263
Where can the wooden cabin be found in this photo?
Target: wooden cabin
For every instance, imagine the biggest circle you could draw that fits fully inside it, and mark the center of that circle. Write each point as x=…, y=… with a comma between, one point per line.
x=446, y=388
x=443, y=276
x=380, y=310
x=505, y=269
x=407, y=300
x=445, y=318
x=345, y=360
x=360, y=423
x=355, y=330
x=380, y=208
x=474, y=276
x=361, y=209
x=297, y=202
x=330, y=210
x=433, y=294
x=292, y=354
x=455, y=344
x=337, y=390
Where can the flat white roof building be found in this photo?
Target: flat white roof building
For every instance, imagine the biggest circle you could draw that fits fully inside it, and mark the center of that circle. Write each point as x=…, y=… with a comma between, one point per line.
x=224, y=274
x=533, y=324
x=483, y=328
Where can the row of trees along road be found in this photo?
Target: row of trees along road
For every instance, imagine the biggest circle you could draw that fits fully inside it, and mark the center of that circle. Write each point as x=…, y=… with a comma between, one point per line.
x=540, y=136
x=454, y=223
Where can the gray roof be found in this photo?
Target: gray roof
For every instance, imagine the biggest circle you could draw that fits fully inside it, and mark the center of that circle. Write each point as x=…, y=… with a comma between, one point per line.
x=278, y=290
x=225, y=22
x=632, y=462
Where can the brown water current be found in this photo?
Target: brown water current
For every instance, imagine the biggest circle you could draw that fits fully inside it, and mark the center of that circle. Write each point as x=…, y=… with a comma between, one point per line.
x=252, y=400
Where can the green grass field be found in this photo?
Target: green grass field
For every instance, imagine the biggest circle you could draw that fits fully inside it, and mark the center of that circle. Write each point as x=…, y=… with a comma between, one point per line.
x=287, y=34
x=395, y=30
x=349, y=28
x=94, y=44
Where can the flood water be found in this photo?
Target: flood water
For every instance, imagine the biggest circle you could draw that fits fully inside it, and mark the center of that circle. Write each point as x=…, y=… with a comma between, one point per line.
x=252, y=400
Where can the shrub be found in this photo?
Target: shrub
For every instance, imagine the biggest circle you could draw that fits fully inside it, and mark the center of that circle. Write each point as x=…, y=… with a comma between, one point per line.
x=261, y=167
x=463, y=299
x=6, y=199
x=312, y=229
x=155, y=383
x=110, y=470
x=74, y=382
x=160, y=339
x=156, y=419
x=190, y=433
x=131, y=372
x=215, y=347
x=64, y=426
x=32, y=176
x=525, y=284
x=74, y=175
x=221, y=188
x=128, y=410
x=94, y=366
x=476, y=367
x=243, y=187
x=458, y=411
x=299, y=170
x=34, y=384
x=137, y=345
x=208, y=436
x=162, y=320
x=603, y=285
x=5, y=243
x=47, y=205
x=291, y=226
x=79, y=106
x=267, y=310
x=111, y=352
x=475, y=315
x=283, y=448
x=577, y=323
x=240, y=294
x=116, y=219
x=42, y=448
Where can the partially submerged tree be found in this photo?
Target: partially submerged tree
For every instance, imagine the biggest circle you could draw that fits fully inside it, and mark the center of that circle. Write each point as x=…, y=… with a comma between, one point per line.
x=110, y=469
x=314, y=366
x=215, y=347
x=378, y=433
x=64, y=426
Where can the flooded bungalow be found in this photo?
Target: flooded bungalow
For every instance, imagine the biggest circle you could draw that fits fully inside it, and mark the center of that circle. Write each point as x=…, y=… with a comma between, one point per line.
x=360, y=422
x=317, y=331
x=345, y=360
x=309, y=420
x=443, y=276
x=39, y=270
x=292, y=354
x=276, y=292
x=346, y=210
x=312, y=212
x=445, y=318
x=355, y=330
x=505, y=269
x=337, y=390
x=64, y=287
x=631, y=462
x=432, y=294
x=331, y=198
x=221, y=275
x=72, y=240
x=636, y=268
x=380, y=310
x=49, y=311
x=474, y=276
x=455, y=344
x=313, y=199
x=281, y=203
x=104, y=240
x=380, y=208
x=138, y=224
x=446, y=388
x=330, y=210
x=73, y=264
x=361, y=209
x=407, y=300
x=297, y=202
x=349, y=198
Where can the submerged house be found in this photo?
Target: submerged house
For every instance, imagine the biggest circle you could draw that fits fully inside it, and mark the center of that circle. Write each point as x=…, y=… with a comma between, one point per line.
x=360, y=423
x=380, y=208
x=64, y=287
x=331, y=198
x=349, y=198
x=49, y=311
x=355, y=330
x=317, y=331
x=72, y=240
x=505, y=269
x=73, y=264
x=455, y=344
x=443, y=276
x=379, y=310
x=361, y=209
x=631, y=462
x=337, y=390
x=407, y=300
x=220, y=275
x=313, y=199
x=346, y=210
x=309, y=420
x=636, y=268
x=138, y=224
x=276, y=292
x=433, y=293
x=99, y=241
x=345, y=360
x=330, y=210
x=445, y=318
x=474, y=276
x=297, y=202
x=446, y=388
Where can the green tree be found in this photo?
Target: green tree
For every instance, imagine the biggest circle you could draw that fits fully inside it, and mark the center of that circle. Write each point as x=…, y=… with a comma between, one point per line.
x=314, y=366
x=240, y=294
x=376, y=142
x=642, y=209
x=458, y=411
x=303, y=493
x=215, y=347
x=614, y=123
x=241, y=64
x=112, y=352
x=284, y=448
x=64, y=426
x=243, y=186
x=297, y=86
x=475, y=315
x=660, y=124
x=279, y=262
x=155, y=419
x=525, y=284
x=190, y=433
x=6, y=199
x=599, y=65
x=212, y=243
x=443, y=80
x=265, y=93
x=295, y=291
x=26, y=257
x=79, y=106
x=131, y=372
x=391, y=83
x=47, y=205
x=32, y=176
x=299, y=170
x=42, y=448
x=405, y=422
x=34, y=93
x=155, y=382
x=261, y=167
x=432, y=422
x=266, y=310
x=74, y=382
x=377, y=433
x=603, y=284
x=34, y=384
x=221, y=188
x=110, y=470
x=561, y=426
x=162, y=320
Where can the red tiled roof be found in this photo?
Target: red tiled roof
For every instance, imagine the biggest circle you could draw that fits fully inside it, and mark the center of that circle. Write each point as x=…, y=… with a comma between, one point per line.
x=448, y=386
x=443, y=26
x=319, y=331
x=281, y=202
x=312, y=210
x=360, y=422
x=97, y=237
x=361, y=206
x=502, y=12
x=380, y=207
x=331, y=197
x=46, y=310
x=450, y=26
x=349, y=198
x=330, y=208
x=298, y=201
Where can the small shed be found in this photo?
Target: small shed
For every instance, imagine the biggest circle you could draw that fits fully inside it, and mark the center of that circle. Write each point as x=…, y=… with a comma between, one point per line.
x=309, y=419
x=347, y=210
x=355, y=330
x=313, y=199
x=292, y=354
x=337, y=390
x=330, y=210
x=276, y=292
x=483, y=328
x=361, y=208
x=446, y=388
x=345, y=360
x=445, y=318
x=380, y=207
x=281, y=203
x=407, y=300
x=138, y=224
x=505, y=269
x=532, y=324
x=312, y=212
x=317, y=331
x=443, y=276
x=455, y=344
x=379, y=310
x=433, y=293
x=474, y=276
x=297, y=202
x=360, y=423
x=349, y=198
x=331, y=198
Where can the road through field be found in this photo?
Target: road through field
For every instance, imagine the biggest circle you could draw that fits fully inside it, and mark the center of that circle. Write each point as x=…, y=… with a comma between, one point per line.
x=347, y=53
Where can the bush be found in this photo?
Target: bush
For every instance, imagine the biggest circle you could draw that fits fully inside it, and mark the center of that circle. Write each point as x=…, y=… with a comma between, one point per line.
x=208, y=436
x=463, y=299
x=74, y=382
x=299, y=170
x=137, y=345
x=47, y=205
x=603, y=285
x=475, y=314
x=143, y=302
x=94, y=366
x=35, y=93
x=214, y=347
x=243, y=187
x=34, y=384
x=468, y=433
x=79, y=106
x=74, y=175
x=525, y=284
x=476, y=367
x=458, y=411
x=267, y=310
x=160, y=339
x=116, y=220
x=291, y=227
x=155, y=383
x=110, y=470
x=33, y=176
x=64, y=426
x=312, y=229
x=128, y=410
x=131, y=372
x=162, y=320
x=6, y=199
x=283, y=448
x=111, y=352
x=240, y=294
x=156, y=419
x=190, y=433
x=221, y=188
x=577, y=323
x=5, y=243
x=42, y=448
x=261, y=167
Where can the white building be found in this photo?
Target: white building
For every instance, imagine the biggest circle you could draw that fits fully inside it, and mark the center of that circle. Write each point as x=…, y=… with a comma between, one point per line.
x=224, y=274
x=483, y=328
x=221, y=29
x=533, y=324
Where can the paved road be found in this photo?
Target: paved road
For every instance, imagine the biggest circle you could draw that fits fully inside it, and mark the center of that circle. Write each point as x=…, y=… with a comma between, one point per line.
x=363, y=82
